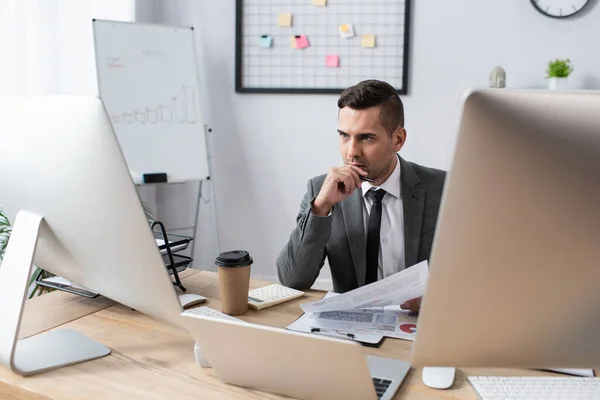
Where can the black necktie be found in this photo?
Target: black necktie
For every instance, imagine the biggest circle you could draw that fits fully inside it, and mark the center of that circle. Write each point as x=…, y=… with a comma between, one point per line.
x=373, y=234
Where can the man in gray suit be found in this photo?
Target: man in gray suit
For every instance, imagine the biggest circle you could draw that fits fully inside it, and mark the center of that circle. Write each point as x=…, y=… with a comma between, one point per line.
x=368, y=230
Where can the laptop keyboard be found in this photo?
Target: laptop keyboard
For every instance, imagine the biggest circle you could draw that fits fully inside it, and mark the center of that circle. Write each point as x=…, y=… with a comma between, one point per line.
x=381, y=386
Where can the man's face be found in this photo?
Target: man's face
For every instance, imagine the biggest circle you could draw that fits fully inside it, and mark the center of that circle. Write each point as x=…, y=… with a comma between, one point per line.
x=364, y=142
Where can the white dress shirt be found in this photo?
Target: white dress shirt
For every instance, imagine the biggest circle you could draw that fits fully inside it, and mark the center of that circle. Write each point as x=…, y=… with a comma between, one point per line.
x=391, y=233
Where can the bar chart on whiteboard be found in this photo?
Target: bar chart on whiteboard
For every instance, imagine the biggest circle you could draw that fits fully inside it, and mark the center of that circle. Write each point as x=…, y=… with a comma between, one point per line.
x=179, y=108
x=148, y=81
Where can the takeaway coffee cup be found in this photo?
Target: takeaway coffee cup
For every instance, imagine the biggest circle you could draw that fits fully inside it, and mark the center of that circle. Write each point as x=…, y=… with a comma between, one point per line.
x=234, y=281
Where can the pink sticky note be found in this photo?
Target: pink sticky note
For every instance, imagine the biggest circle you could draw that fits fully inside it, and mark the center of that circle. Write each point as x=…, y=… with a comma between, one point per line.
x=332, y=61
x=301, y=41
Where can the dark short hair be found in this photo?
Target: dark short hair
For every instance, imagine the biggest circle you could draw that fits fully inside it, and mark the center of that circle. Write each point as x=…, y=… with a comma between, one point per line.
x=374, y=93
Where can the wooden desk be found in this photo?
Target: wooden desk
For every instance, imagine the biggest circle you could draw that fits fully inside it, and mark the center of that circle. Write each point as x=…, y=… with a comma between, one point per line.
x=153, y=360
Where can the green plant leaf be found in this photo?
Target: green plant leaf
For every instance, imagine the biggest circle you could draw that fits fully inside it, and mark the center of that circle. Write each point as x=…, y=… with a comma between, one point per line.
x=5, y=230
x=41, y=274
x=559, y=68
x=36, y=273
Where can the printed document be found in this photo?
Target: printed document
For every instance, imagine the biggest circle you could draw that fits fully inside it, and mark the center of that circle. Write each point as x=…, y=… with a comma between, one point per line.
x=394, y=290
x=367, y=324
x=389, y=321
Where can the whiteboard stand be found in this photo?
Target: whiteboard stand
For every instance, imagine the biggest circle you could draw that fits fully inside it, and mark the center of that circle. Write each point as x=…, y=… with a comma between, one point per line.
x=207, y=133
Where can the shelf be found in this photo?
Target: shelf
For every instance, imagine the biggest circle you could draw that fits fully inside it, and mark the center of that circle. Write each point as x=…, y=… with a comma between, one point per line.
x=181, y=262
x=177, y=242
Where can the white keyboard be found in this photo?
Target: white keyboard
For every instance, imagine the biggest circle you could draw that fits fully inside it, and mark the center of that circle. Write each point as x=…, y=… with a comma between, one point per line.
x=543, y=388
x=270, y=295
x=209, y=312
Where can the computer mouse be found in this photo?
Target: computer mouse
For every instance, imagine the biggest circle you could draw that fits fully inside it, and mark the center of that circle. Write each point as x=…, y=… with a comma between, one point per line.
x=438, y=377
x=189, y=300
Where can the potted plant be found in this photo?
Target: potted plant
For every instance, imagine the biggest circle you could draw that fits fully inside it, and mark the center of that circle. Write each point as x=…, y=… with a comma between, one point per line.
x=558, y=71
x=5, y=230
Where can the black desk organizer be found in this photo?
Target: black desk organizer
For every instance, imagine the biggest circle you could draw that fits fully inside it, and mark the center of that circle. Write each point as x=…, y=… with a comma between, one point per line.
x=175, y=263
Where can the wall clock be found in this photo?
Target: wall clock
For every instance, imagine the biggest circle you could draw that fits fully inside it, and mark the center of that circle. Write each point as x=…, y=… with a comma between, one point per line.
x=559, y=8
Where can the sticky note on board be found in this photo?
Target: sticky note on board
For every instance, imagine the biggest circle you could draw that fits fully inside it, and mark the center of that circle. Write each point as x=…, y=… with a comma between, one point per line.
x=346, y=31
x=265, y=41
x=368, y=41
x=332, y=61
x=301, y=42
x=320, y=3
x=284, y=19
x=293, y=43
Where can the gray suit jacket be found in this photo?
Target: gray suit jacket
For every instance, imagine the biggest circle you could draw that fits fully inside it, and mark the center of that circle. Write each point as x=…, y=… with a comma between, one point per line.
x=341, y=236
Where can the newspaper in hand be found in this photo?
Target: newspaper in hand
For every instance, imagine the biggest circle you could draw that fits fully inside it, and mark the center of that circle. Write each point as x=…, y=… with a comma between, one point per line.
x=394, y=290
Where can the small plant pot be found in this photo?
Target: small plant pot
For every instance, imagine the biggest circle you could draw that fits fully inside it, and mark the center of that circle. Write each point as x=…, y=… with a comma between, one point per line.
x=557, y=83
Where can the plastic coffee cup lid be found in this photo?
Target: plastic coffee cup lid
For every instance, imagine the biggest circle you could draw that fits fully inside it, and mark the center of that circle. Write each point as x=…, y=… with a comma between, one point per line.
x=232, y=259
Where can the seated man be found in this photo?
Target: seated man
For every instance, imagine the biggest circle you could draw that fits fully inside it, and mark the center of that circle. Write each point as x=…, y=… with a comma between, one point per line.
x=368, y=230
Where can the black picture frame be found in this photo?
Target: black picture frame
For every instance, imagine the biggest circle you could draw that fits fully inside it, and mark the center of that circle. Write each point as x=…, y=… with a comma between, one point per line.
x=239, y=84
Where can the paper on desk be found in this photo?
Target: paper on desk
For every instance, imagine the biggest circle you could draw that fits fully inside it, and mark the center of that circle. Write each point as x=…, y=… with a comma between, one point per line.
x=304, y=324
x=307, y=322
x=394, y=290
x=368, y=325
x=390, y=321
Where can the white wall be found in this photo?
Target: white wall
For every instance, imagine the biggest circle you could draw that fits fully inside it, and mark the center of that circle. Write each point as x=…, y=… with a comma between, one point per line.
x=266, y=147
x=47, y=46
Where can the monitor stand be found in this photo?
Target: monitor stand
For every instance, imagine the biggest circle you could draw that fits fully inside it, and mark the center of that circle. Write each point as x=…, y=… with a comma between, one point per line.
x=46, y=351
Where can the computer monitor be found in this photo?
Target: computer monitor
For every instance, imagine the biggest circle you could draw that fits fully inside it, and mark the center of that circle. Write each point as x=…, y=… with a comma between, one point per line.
x=514, y=272
x=65, y=185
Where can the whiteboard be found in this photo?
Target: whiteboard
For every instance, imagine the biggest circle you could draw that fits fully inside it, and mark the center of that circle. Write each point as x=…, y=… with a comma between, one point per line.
x=148, y=81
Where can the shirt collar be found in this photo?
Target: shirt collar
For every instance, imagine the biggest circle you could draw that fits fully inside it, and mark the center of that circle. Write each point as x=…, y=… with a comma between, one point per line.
x=391, y=184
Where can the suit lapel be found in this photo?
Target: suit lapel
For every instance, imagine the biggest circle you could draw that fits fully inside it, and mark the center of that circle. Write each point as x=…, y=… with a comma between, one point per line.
x=413, y=202
x=352, y=209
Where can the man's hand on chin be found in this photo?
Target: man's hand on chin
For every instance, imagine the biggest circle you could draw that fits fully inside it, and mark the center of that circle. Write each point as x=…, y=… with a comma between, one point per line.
x=413, y=305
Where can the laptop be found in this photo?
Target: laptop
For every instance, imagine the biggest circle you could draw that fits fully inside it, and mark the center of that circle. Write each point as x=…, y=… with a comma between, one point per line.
x=293, y=363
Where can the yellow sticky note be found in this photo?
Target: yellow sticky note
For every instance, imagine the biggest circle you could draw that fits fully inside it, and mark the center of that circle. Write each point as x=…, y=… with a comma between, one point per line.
x=368, y=41
x=284, y=19
x=320, y=3
x=346, y=31
x=293, y=42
